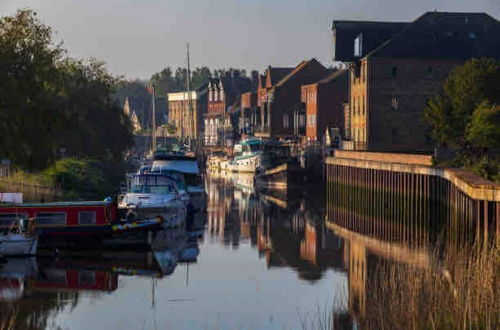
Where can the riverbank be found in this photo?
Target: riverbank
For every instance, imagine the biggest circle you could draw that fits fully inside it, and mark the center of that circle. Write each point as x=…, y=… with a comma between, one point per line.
x=470, y=199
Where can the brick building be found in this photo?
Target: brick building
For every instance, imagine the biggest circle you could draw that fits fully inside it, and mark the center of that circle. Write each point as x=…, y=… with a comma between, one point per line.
x=393, y=76
x=186, y=111
x=222, y=93
x=282, y=113
x=324, y=102
x=250, y=114
x=266, y=82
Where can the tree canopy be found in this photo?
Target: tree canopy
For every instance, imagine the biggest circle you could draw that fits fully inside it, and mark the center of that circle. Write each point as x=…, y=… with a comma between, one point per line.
x=52, y=105
x=450, y=112
x=465, y=116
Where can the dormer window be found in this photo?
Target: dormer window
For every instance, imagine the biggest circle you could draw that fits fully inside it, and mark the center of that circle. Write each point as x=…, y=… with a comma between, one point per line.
x=358, y=46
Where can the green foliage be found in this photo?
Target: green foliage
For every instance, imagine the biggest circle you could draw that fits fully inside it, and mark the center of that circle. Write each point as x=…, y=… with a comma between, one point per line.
x=466, y=116
x=84, y=178
x=50, y=104
x=484, y=128
x=468, y=86
x=166, y=82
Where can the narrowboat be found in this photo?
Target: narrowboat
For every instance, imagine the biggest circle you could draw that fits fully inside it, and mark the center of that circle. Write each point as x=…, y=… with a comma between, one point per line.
x=74, y=223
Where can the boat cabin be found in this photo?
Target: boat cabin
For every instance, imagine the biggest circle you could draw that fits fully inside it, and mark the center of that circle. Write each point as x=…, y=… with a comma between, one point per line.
x=61, y=214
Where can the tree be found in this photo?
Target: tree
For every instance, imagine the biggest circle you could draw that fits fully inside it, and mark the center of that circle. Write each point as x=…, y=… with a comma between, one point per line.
x=94, y=125
x=164, y=82
x=51, y=105
x=450, y=112
x=29, y=88
x=483, y=130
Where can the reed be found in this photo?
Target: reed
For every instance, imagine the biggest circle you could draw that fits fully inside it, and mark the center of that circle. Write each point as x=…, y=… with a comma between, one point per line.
x=461, y=292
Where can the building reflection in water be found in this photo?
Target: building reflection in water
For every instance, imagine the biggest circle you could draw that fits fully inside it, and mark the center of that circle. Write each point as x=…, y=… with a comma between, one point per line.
x=286, y=228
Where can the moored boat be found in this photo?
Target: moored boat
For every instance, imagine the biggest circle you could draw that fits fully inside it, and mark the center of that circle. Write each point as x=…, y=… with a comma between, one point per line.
x=17, y=245
x=283, y=176
x=247, y=156
x=149, y=195
x=74, y=224
x=188, y=167
x=19, y=240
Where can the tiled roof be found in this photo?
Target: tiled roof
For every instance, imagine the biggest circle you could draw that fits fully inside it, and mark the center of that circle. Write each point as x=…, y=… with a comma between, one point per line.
x=445, y=35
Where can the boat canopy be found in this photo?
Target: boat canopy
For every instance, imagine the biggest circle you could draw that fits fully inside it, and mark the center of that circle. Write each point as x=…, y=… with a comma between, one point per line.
x=179, y=165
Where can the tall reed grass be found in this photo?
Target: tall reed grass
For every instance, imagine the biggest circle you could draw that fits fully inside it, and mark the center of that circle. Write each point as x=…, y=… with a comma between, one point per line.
x=460, y=292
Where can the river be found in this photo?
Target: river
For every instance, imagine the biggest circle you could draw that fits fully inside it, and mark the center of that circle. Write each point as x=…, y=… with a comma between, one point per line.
x=259, y=260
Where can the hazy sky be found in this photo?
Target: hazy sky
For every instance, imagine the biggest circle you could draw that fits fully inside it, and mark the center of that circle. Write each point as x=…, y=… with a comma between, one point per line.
x=139, y=37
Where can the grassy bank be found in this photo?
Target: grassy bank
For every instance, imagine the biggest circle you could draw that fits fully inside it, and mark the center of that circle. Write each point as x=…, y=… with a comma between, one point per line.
x=68, y=179
x=33, y=187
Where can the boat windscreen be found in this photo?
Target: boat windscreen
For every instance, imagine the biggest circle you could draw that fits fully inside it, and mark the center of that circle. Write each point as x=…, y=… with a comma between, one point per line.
x=152, y=189
x=183, y=166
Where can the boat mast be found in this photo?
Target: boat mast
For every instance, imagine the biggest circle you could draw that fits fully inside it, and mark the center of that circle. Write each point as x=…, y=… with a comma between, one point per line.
x=188, y=87
x=153, y=118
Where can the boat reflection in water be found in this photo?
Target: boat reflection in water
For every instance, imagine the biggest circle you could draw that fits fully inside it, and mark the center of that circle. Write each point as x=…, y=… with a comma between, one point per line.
x=264, y=260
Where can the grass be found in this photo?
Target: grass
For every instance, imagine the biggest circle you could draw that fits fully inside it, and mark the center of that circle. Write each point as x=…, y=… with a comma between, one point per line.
x=462, y=292
x=34, y=187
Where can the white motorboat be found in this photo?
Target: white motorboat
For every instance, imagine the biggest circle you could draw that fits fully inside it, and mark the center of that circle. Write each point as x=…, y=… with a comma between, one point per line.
x=17, y=245
x=188, y=167
x=155, y=195
x=247, y=156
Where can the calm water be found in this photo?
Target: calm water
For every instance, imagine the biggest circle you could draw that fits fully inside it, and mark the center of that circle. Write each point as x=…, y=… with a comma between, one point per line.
x=255, y=260
x=258, y=262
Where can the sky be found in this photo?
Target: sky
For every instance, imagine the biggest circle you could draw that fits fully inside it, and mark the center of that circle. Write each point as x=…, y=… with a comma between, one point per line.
x=139, y=37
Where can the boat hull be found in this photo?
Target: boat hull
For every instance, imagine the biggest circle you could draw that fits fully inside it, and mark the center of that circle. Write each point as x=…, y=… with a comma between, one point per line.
x=281, y=177
x=246, y=164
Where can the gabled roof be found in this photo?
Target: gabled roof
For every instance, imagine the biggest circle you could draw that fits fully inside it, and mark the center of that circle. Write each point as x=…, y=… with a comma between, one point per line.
x=445, y=35
x=334, y=76
x=297, y=69
x=274, y=75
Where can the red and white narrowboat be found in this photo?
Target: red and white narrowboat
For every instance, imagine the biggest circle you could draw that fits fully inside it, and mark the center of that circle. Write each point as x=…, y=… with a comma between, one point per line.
x=80, y=223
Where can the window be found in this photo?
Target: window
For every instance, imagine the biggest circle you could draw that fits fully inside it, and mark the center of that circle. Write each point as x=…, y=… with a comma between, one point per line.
x=7, y=219
x=50, y=218
x=286, y=121
x=86, y=278
x=311, y=120
x=358, y=46
x=395, y=103
x=395, y=135
x=86, y=217
x=394, y=71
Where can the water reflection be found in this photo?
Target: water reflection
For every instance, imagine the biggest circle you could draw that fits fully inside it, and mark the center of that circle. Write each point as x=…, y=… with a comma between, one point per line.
x=258, y=260
x=286, y=227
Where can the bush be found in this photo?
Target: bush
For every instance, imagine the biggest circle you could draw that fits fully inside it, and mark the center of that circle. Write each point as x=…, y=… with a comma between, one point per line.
x=85, y=178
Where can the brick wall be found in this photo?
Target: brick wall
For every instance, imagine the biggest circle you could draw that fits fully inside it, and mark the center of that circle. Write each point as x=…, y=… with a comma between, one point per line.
x=398, y=91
